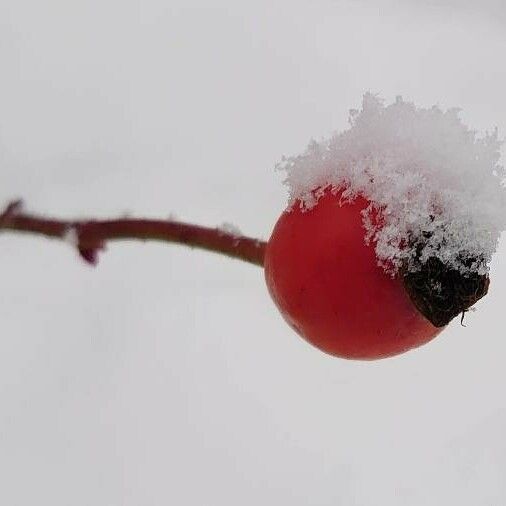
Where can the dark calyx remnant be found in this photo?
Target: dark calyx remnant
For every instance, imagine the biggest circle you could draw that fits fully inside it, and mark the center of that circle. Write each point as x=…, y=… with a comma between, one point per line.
x=440, y=292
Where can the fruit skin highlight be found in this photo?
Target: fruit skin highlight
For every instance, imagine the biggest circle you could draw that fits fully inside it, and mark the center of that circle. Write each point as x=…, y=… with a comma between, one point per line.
x=327, y=284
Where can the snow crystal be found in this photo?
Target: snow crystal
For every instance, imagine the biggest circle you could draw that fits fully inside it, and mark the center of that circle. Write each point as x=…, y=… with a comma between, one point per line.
x=230, y=229
x=435, y=184
x=71, y=236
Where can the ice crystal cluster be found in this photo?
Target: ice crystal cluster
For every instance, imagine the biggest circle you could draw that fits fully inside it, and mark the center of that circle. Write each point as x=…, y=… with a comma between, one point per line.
x=230, y=229
x=435, y=187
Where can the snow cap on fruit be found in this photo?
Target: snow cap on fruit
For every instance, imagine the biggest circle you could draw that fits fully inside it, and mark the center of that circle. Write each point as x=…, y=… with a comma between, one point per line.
x=436, y=188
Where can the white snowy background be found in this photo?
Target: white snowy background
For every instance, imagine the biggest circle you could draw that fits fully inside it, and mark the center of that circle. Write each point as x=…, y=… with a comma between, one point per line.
x=167, y=376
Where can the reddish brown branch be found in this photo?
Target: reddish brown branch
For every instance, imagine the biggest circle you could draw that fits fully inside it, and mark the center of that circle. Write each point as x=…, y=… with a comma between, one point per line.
x=90, y=236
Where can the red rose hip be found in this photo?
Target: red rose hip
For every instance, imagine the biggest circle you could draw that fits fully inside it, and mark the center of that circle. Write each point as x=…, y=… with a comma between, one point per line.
x=327, y=284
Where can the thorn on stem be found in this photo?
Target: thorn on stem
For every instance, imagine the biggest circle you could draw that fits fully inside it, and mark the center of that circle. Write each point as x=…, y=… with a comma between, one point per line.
x=89, y=255
x=74, y=235
x=11, y=209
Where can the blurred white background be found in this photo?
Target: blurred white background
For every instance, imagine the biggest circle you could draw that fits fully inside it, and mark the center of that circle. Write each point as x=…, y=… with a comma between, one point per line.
x=166, y=376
